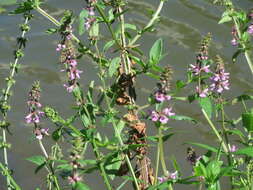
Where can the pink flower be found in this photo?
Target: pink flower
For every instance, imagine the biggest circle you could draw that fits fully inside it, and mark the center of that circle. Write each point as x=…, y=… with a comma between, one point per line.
x=233, y=148
x=160, y=97
x=202, y=93
x=74, y=178
x=250, y=29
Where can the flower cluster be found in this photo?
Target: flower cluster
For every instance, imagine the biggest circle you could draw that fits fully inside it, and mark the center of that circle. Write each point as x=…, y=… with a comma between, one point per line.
x=91, y=13
x=161, y=116
x=171, y=176
x=201, y=65
x=163, y=86
x=74, y=178
x=35, y=114
x=68, y=59
x=40, y=133
x=34, y=105
x=220, y=78
x=235, y=38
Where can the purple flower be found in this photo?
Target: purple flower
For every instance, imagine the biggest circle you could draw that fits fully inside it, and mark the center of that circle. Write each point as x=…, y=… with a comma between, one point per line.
x=161, y=116
x=173, y=175
x=33, y=103
x=74, y=178
x=250, y=29
x=202, y=93
x=220, y=80
x=40, y=133
x=167, y=111
x=234, y=42
x=90, y=11
x=154, y=116
x=233, y=148
x=163, y=119
x=161, y=97
x=197, y=69
x=89, y=22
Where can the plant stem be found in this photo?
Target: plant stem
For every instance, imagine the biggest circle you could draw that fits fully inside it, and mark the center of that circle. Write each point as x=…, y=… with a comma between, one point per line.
x=50, y=165
x=150, y=23
x=160, y=145
x=5, y=99
x=215, y=131
x=157, y=164
x=101, y=165
x=117, y=134
x=108, y=25
x=246, y=52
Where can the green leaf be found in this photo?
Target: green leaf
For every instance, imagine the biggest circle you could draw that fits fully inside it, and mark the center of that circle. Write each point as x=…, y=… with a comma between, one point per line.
x=113, y=166
x=206, y=105
x=182, y=117
x=81, y=186
x=248, y=151
x=236, y=54
x=51, y=30
x=94, y=30
x=38, y=160
x=225, y=18
x=7, y=2
x=110, y=15
x=130, y=26
x=108, y=45
x=207, y=147
x=114, y=65
x=155, y=52
x=82, y=16
x=180, y=84
x=247, y=121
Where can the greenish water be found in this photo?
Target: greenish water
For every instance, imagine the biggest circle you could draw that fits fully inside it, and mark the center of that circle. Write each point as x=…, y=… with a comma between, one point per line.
x=183, y=22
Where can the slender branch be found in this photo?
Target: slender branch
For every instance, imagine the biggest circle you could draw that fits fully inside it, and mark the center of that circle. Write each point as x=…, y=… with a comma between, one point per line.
x=160, y=145
x=57, y=23
x=101, y=165
x=5, y=99
x=246, y=52
x=108, y=25
x=215, y=131
x=150, y=23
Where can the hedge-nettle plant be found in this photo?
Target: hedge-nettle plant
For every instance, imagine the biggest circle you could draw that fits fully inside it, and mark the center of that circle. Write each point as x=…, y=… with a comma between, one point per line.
x=113, y=102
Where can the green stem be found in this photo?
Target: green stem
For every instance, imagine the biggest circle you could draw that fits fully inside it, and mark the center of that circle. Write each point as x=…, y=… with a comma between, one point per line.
x=150, y=23
x=5, y=99
x=108, y=25
x=157, y=164
x=160, y=145
x=246, y=52
x=117, y=134
x=55, y=179
x=215, y=131
x=101, y=165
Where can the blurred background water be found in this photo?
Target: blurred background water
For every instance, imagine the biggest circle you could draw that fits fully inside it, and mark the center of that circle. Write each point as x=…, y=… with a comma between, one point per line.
x=183, y=23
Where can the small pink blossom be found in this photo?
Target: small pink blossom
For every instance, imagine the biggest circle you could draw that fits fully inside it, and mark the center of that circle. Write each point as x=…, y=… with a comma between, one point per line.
x=233, y=148
x=202, y=93
x=74, y=178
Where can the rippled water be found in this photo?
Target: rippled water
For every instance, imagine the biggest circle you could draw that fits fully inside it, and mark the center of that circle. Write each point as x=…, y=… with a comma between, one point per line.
x=183, y=22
